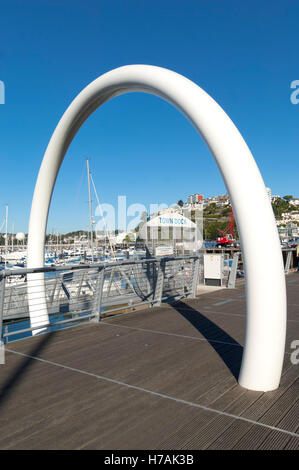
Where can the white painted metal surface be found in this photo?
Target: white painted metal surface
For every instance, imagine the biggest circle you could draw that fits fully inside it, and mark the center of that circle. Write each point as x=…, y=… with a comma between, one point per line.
x=266, y=293
x=213, y=266
x=164, y=251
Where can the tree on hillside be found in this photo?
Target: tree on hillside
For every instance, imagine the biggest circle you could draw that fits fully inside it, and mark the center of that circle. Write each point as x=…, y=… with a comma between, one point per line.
x=180, y=203
x=279, y=206
x=129, y=238
x=225, y=212
x=211, y=209
x=211, y=229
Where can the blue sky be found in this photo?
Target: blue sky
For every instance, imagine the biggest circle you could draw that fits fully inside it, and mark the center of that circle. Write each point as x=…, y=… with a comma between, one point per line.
x=244, y=54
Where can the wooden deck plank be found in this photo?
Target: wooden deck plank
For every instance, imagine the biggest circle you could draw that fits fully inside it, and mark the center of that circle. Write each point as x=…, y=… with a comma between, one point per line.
x=285, y=406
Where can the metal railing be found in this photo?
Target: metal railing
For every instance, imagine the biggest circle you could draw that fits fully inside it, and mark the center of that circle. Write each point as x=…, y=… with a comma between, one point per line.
x=290, y=260
x=89, y=292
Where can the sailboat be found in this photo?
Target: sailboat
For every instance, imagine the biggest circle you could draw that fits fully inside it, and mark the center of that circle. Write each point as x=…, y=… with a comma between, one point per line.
x=107, y=252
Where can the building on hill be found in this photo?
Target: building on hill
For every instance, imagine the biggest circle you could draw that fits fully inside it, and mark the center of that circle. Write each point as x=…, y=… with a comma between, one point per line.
x=294, y=201
x=195, y=198
x=268, y=190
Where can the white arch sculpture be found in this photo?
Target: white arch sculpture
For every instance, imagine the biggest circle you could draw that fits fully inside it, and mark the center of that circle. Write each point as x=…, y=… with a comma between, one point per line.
x=265, y=292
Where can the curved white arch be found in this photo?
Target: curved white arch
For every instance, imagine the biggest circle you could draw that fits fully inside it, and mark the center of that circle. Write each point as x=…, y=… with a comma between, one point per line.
x=265, y=292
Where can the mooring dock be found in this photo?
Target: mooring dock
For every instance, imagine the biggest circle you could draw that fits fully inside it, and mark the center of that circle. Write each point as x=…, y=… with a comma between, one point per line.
x=159, y=378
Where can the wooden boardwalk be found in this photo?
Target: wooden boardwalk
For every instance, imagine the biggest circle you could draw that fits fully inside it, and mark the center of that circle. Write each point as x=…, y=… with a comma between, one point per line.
x=161, y=378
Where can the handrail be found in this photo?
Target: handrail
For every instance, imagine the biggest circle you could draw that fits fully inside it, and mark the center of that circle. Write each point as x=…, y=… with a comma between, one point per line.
x=45, y=269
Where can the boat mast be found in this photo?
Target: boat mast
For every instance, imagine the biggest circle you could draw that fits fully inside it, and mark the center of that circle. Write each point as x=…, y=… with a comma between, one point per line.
x=102, y=215
x=90, y=209
x=12, y=236
x=6, y=234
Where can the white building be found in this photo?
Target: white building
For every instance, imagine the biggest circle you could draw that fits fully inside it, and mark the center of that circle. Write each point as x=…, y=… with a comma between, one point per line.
x=194, y=198
x=290, y=216
x=294, y=202
x=120, y=237
x=220, y=201
x=168, y=210
x=268, y=190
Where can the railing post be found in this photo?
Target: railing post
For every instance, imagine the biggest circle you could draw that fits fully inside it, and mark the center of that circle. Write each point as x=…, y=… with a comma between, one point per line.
x=288, y=262
x=233, y=272
x=110, y=281
x=159, y=283
x=2, y=296
x=80, y=283
x=195, y=277
x=98, y=294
